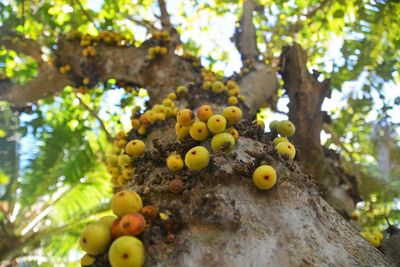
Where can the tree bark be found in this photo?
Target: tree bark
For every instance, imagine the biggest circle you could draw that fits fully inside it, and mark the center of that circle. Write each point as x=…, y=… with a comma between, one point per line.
x=306, y=96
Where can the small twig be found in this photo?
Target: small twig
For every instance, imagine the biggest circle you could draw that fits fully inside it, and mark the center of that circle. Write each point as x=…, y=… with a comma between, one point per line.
x=88, y=16
x=145, y=23
x=165, y=21
x=94, y=114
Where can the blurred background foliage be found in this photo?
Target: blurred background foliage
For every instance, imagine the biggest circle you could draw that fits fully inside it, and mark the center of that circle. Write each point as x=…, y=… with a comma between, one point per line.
x=52, y=178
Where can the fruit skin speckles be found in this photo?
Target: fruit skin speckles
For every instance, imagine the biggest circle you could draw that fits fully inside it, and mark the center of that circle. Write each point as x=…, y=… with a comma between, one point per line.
x=126, y=251
x=216, y=123
x=174, y=163
x=135, y=148
x=197, y=158
x=204, y=112
x=181, y=131
x=232, y=114
x=264, y=177
x=286, y=148
x=132, y=224
x=185, y=117
x=125, y=202
x=199, y=131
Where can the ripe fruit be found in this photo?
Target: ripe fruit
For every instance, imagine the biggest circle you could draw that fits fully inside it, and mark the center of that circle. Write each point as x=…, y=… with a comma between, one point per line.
x=116, y=230
x=198, y=131
x=286, y=148
x=135, y=148
x=132, y=224
x=95, y=239
x=371, y=238
x=185, y=117
x=149, y=212
x=121, y=143
x=107, y=221
x=174, y=163
x=124, y=160
x=264, y=177
x=126, y=202
x=232, y=114
x=204, y=112
x=232, y=131
x=87, y=260
x=232, y=100
x=273, y=126
x=280, y=139
x=286, y=128
x=197, y=158
x=217, y=86
x=222, y=141
x=216, y=123
x=176, y=186
x=126, y=251
x=181, y=131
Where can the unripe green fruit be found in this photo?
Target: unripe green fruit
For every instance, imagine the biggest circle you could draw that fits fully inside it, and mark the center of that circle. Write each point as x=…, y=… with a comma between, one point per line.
x=286, y=148
x=280, y=139
x=260, y=123
x=232, y=100
x=95, y=239
x=126, y=251
x=217, y=86
x=232, y=114
x=115, y=150
x=197, y=158
x=125, y=202
x=273, y=126
x=204, y=112
x=371, y=238
x=107, y=221
x=222, y=141
x=198, y=131
x=127, y=173
x=232, y=131
x=135, y=148
x=181, y=89
x=112, y=159
x=174, y=163
x=216, y=123
x=286, y=128
x=264, y=177
x=185, y=117
x=124, y=160
x=87, y=260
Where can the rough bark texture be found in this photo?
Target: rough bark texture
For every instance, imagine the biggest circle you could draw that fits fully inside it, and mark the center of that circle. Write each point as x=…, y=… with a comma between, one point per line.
x=221, y=219
x=306, y=96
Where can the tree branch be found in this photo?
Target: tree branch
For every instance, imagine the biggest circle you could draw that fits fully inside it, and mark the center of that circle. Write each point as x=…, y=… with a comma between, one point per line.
x=245, y=35
x=94, y=115
x=164, y=18
x=46, y=83
x=17, y=42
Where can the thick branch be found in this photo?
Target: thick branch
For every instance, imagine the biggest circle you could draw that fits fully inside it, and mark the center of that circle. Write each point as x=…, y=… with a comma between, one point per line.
x=306, y=95
x=48, y=82
x=245, y=35
x=164, y=18
x=17, y=42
